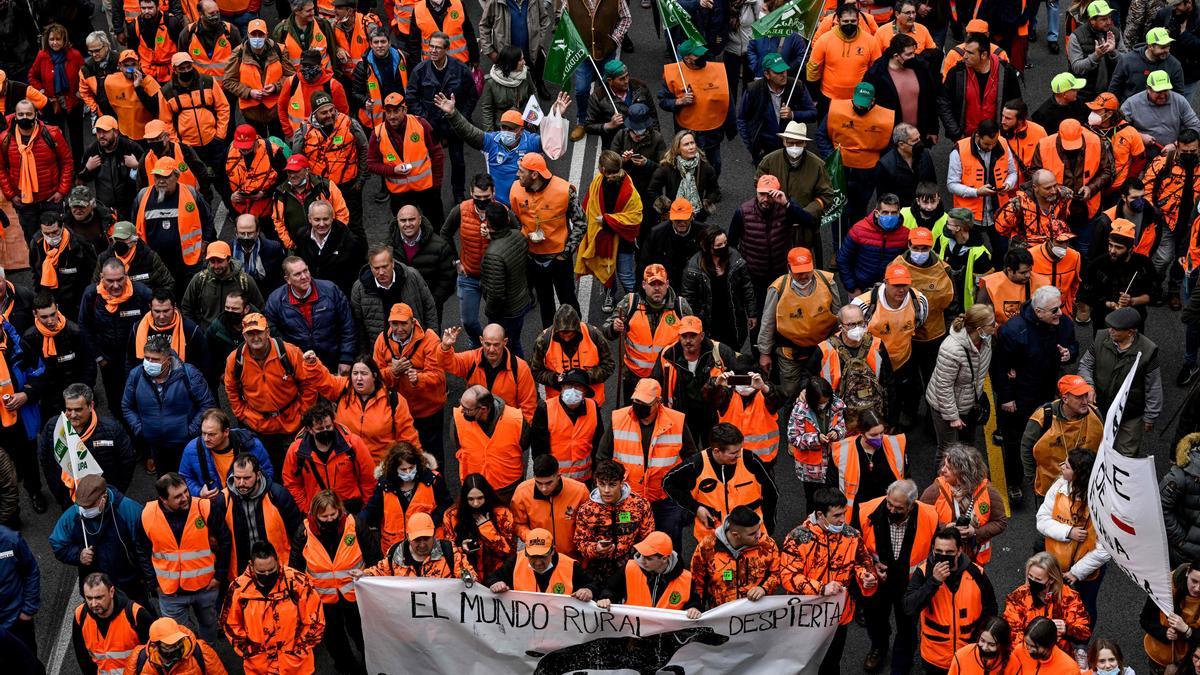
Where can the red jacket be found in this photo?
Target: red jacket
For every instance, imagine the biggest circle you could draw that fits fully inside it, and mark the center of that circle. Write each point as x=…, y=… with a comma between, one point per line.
x=336, y=91
x=349, y=470
x=41, y=76
x=55, y=168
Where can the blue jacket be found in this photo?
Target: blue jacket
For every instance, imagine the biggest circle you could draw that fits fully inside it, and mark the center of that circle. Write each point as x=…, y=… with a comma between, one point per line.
x=791, y=48
x=20, y=579
x=171, y=417
x=266, y=255
x=713, y=24
x=197, y=459
x=23, y=367
x=113, y=536
x=423, y=83
x=502, y=162
x=1029, y=348
x=332, y=334
x=759, y=124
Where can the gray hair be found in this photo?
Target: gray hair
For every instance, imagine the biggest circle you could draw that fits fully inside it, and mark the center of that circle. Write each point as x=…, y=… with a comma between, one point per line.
x=97, y=37
x=159, y=343
x=79, y=390
x=901, y=132
x=1045, y=296
x=905, y=487
x=440, y=34
x=967, y=464
x=320, y=203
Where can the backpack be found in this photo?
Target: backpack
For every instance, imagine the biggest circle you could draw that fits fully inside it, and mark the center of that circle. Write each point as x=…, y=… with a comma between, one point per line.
x=238, y=363
x=859, y=388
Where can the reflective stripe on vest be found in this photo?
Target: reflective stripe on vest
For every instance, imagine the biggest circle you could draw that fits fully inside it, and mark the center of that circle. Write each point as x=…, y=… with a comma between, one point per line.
x=371, y=114
x=452, y=25
x=187, y=222
x=109, y=650
x=586, y=357
x=259, y=176
x=331, y=577
x=643, y=347
x=571, y=441
x=155, y=57
x=645, y=472
x=759, y=427
x=974, y=175
x=272, y=523
x=213, y=64
x=416, y=153
x=188, y=563
x=831, y=361
x=741, y=489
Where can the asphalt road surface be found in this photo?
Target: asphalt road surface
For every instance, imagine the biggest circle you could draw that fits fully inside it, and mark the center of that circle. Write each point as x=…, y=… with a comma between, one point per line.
x=1120, y=600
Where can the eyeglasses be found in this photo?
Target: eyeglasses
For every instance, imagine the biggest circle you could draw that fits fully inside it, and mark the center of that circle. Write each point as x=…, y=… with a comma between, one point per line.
x=856, y=324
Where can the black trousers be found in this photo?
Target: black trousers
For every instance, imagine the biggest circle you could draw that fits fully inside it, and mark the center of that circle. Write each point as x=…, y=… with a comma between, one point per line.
x=343, y=627
x=832, y=663
x=24, y=456
x=354, y=204
x=879, y=609
x=429, y=202
x=557, y=277
x=1012, y=427
x=429, y=430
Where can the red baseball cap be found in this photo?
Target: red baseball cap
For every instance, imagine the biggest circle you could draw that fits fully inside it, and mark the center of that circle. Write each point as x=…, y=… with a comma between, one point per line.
x=296, y=162
x=244, y=137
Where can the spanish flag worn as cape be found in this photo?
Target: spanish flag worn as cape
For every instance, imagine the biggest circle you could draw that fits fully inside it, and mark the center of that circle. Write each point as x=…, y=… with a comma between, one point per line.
x=598, y=251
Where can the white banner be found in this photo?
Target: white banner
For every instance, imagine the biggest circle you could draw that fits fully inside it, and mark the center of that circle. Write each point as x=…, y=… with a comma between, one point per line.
x=1126, y=512
x=440, y=626
x=73, y=456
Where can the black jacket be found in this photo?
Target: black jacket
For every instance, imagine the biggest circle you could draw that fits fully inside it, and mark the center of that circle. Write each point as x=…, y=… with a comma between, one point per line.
x=434, y=260
x=697, y=290
x=109, y=445
x=952, y=101
x=293, y=519
x=107, y=332
x=74, y=362
x=887, y=96
x=114, y=186
x=755, y=112
x=74, y=270
x=340, y=259
x=922, y=586
x=21, y=316
x=672, y=251
x=1187, y=42
x=94, y=229
x=894, y=175
x=665, y=183
x=1029, y=348
x=146, y=267
x=681, y=480
x=600, y=110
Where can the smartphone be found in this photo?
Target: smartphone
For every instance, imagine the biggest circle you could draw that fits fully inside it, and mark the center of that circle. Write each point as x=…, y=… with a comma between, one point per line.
x=739, y=380
x=962, y=521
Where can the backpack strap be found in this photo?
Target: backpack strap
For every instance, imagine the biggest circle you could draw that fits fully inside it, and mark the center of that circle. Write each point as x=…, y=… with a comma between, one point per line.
x=1047, y=416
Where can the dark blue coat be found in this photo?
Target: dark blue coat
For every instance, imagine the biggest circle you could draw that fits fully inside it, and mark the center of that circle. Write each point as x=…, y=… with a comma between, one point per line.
x=196, y=459
x=108, y=334
x=759, y=124
x=791, y=48
x=423, y=83
x=1030, y=349
x=331, y=334
x=270, y=254
x=20, y=579
x=171, y=417
x=113, y=536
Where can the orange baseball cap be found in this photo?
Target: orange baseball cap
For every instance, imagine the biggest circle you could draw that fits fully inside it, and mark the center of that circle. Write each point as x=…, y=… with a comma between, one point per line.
x=1070, y=134
x=1105, y=101
x=420, y=525
x=392, y=100
x=1123, y=228
x=978, y=26
x=108, y=123
x=681, y=209
x=800, y=260
x=533, y=161
x=243, y=137
x=920, y=236
x=897, y=275
x=218, y=249
x=254, y=321
x=257, y=26
x=1064, y=234
x=165, y=166
x=655, y=272
x=538, y=541
x=647, y=391
x=655, y=543
x=166, y=631
x=180, y=57
x=400, y=312
x=767, y=183
x=1073, y=385
x=512, y=117
x=154, y=129
x=128, y=54
x=691, y=324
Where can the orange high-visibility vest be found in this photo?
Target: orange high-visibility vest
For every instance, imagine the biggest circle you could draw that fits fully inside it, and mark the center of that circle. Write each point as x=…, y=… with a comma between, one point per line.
x=154, y=55
x=831, y=362
x=1067, y=553
x=273, y=522
x=188, y=563
x=1063, y=274
x=259, y=176
x=1023, y=144
x=331, y=577
x=586, y=357
x=416, y=153
x=759, y=427
x=356, y=44
x=711, y=89
x=498, y=457
x=1145, y=241
x=297, y=107
x=1123, y=141
x=927, y=525
x=949, y=621
x=571, y=441
x=251, y=76
x=980, y=514
x=805, y=321
x=974, y=176
x=371, y=114
x=721, y=497
x=862, y=137
x=845, y=456
x=318, y=42
x=545, y=210
x=637, y=589
x=395, y=516
x=186, y=175
x=402, y=15
x=642, y=346
x=133, y=11
x=561, y=577
x=213, y=64
x=644, y=473
x=334, y=155
x=894, y=327
x=1006, y=297
x=1052, y=162
x=110, y=650
x=188, y=222
x=452, y=25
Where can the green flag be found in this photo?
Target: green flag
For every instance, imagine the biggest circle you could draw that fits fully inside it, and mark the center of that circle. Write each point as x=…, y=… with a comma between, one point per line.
x=797, y=16
x=675, y=15
x=833, y=166
x=566, y=52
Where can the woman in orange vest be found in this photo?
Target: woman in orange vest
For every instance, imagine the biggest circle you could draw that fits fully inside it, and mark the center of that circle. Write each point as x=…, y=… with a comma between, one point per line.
x=654, y=577
x=1038, y=653
x=409, y=482
x=991, y=654
x=1044, y=595
x=963, y=496
x=367, y=407
x=480, y=525
x=1066, y=522
x=1168, y=640
x=869, y=461
x=332, y=548
x=812, y=429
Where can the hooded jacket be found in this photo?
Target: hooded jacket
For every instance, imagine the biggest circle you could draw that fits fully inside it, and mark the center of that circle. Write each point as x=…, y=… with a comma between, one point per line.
x=624, y=523
x=204, y=299
x=756, y=565
x=1180, y=494
x=248, y=515
x=113, y=536
x=167, y=414
x=200, y=471
x=566, y=319
x=370, y=309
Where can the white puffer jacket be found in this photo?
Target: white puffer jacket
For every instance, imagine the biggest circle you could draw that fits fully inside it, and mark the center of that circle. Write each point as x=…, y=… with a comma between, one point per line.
x=952, y=391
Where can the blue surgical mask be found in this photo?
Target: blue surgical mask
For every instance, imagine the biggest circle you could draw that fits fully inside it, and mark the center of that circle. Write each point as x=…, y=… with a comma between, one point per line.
x=1137, y=205
x=506, y=138
x=888, y=222
x=152, y=368
x=874, y=442
x=258, y=43
x=1108, y=671
x=919, y=257
x=572, y=397
x=406, y=476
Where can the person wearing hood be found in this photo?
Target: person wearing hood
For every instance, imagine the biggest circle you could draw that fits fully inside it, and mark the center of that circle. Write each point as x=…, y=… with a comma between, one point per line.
x=172, y=649
x=948, y=594
x=409, y=482
x=610, y=522
x=1180, y=490
x=296, y=93
x=203, y=300
x=626, y=91
x=739, y=545
x=418, y=245
x=328, y=456
x=254, y=509
x=1170, y=638
x=163, y=402
x=109, y=625
x=647, y=322
x=142, y=263
x=1121, y=276
x=655, y=577
x=540, y=568
x=960, y=244
x=208, y=459
x=336, y=147
x=383, y=283
x=113, y=523
x=870, y=246
x=570, y=345
x=508, y=86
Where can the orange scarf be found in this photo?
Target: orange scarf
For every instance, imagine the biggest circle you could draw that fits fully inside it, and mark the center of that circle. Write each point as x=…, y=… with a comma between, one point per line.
x=48, y=346
x=9, y=300
x=128, y=257
x=50, y=264
x=112, y=302
x=28, y=181
x=178, y=341
x=8, y=418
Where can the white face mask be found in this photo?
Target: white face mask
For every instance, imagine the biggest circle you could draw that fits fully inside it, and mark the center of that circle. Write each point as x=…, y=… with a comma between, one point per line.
x=53, y=241
x=1058, y=251
x=257, y=42
x=406, y=476
x=919, y=257
x=93, y=512
x=572, y=397
x=794, y=152
x=744, y=389
x=1094, y=119
x=856, y=333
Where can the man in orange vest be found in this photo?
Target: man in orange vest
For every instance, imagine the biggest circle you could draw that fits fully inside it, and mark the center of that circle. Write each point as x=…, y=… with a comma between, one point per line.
x=252, y=508
x=175, y=221
x=753, y=408
x=107, y=627
x=380, y=72
x=864, y=131
x=1128, y=148
x=441, y=16
x=1007, y=289
x=881, y=520
x=950, y=595
x=421, y=554
x=1021, y=133
x=304, y=31
x=654, y=578
x=159, y=143
x=982, y=173
x=210, y=41
x=173, y=650
x=254, y=74
x=1057, y=264
x=712, y=482
x=696, y=90
x=540, y=568
x=649, y=439
x=407, y=156
x=549, y=501
x=647, y=323
x=568, y=345
x=178, y=539
x=336, y=147
x=352, y=31
x=569, y=427
x=492, y=438
x=154, y=35
x=800, y=310
x=547, y=207
x=686, y=369
x=493, y=364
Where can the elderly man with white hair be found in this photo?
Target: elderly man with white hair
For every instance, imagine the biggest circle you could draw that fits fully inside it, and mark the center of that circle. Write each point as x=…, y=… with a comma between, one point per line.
x=1026, y=362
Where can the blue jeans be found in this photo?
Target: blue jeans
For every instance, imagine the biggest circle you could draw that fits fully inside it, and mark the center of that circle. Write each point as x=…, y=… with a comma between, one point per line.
x=203, y=603
x=470, y=293
x=626, y=272
x=585, y=75
x=1052, y=19
x=671, y=518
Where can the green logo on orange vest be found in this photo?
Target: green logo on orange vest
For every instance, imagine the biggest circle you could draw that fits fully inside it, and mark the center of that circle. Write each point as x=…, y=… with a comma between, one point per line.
x=349, y=540
x=390, y=157
x=295, y=105
x=727, y=575
x=670, y=319
x=182, y=167
x=372, y=84
x=199, y=523
x=337, y=140
x=675, y=598
x=558, y=588
x=222, y=42
x=454, y=14
x=983, y=509
x=158, y=39
x=189, y=207
x=196, y=51
x=319, y=37
x=624, y=517
x=415, y=138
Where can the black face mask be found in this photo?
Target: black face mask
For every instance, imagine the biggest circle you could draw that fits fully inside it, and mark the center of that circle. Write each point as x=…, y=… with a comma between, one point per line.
x=850, y=31
x=26, y=123
x=231, y=318
x=1037, y=590
x=266, y=582
x=186, y=77
x=247, y=242
x=944, y=558
x=325, y=437
x=481, y=204
x=159, y=149
x=642, y=410
x=895, y=517
x=121, y=247
x=1185, y=158
x=1137, y=205
x=988, y=655
x=310, y=73
x=328, y=526
x=171, y=655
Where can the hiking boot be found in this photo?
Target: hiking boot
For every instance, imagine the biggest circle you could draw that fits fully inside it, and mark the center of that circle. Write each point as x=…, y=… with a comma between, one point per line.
x=577, y=133
x=997, y=439
x=874, y=661
x=1186, y=374
x=38, y=501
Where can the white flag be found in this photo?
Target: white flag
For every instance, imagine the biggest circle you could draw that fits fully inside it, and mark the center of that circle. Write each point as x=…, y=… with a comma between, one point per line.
x=73, y=456
x=533, y=111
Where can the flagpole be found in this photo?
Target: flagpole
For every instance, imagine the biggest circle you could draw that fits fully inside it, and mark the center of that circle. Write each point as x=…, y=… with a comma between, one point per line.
x=678, y=63
x=600, y=79
x=800, y=74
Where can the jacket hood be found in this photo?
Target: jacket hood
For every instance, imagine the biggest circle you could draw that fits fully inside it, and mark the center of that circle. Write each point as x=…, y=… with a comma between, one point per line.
x=595, y=494
x=258, y=491
x=566, y=319
x=1183, y=449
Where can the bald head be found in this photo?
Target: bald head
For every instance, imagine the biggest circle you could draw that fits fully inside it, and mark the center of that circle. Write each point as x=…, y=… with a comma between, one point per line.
x=492, y=342
x=851, y=325
x=1044, y=178
x=408, y=219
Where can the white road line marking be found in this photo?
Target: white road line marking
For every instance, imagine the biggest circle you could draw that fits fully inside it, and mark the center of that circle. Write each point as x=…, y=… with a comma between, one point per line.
x=578, y=158
x=64, y=638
